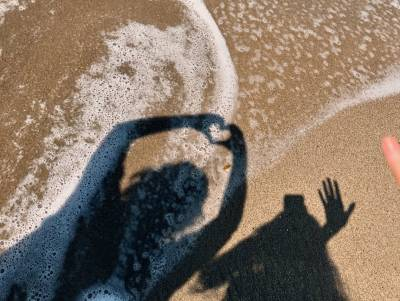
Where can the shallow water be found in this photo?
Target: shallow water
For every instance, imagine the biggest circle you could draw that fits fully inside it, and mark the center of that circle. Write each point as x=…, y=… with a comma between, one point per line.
x=71, y=71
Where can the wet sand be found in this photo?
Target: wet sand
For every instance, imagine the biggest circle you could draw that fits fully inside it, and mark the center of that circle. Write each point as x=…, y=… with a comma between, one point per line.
x=45, y=49
x=292, y=61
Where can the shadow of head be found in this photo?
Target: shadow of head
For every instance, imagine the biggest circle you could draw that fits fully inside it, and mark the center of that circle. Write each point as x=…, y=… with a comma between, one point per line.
x=173, y=194
x=161, y=202
x=294, y=203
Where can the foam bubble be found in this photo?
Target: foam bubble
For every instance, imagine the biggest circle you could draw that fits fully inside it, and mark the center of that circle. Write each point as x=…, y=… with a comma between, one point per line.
x=6, y=6
x=103, y=293
x=395, y=3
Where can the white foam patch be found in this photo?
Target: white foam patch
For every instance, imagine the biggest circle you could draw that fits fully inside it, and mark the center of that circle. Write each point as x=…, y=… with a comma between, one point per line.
x=226, y=78
x=395, y=3
x=39, y=236
x=6, y=6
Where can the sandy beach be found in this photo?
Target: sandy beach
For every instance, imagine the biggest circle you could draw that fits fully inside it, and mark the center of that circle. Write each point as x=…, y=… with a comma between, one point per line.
x=313, y=86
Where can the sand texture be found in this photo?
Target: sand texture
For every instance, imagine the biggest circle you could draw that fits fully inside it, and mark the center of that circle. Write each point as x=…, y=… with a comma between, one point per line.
x=311, y=87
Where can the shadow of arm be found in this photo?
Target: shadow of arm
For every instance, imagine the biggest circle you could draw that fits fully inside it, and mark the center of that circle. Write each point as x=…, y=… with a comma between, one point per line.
x=113, y=149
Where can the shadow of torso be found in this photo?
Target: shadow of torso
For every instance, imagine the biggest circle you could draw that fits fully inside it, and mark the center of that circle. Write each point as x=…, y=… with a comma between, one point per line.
x=286, y=259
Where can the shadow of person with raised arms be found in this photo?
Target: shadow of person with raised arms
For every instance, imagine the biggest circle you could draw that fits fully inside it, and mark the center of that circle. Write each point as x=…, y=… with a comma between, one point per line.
x=287, y=258
x=120, y=232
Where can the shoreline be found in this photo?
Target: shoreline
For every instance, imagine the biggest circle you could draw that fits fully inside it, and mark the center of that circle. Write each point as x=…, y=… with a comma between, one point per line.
x=330, y=150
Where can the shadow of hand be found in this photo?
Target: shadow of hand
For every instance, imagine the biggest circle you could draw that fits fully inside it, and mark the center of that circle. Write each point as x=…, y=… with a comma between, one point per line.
x=336, y=216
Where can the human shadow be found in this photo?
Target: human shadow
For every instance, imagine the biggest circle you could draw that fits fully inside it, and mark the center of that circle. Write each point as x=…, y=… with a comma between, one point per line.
x=285, y=259
x=108, y=233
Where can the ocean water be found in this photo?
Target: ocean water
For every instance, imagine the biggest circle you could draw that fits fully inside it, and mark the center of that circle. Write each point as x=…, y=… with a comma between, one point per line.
x=71, y=72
